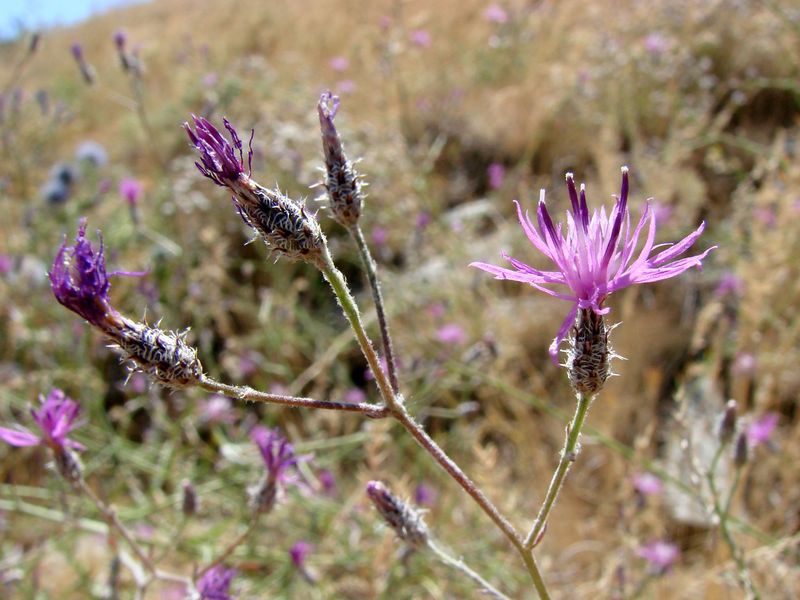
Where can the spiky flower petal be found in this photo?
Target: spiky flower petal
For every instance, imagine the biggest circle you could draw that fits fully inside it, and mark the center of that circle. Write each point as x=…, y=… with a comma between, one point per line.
x=594, y=255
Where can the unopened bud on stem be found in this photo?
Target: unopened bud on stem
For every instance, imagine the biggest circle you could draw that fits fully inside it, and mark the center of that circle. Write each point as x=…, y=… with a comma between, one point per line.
x=403, y=518
x=727, y=426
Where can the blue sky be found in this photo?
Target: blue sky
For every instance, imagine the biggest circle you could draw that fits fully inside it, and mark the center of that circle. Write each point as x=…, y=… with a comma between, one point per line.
x=30, y=14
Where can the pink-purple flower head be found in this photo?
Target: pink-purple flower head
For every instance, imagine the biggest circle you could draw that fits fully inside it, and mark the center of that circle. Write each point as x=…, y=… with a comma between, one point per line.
x=215, y=584
x=594, y=255
x=279, y=456
x=660, y=555
x=55, y=419
x=220, y=160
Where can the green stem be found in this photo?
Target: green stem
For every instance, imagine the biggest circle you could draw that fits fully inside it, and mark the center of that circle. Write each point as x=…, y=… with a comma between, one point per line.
x=377, y=298
x=460, y=565
x=568, y=455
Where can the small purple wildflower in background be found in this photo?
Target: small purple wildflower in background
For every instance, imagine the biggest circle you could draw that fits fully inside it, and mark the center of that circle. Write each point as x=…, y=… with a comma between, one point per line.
x=354, y=395
x=339, y=63
x=6, y=263
x=496, y=174
x=299, y=553
x=279, y=456
x=218, y=409
x=86, y=69
x=346, y=86
x=647, y=484
x=656, y=44
x=215, y=584
x=421, y=38
x=744, y=364
x=327, y=481
x=131, y=190
x=729, y=284
x=380, y=235
x=495, y=13
x=425, y=495
x=93, y=153
x=760, y=431
x=660, y=555
x=452, y=334
x=55, y=419
x=594, y=254
x=423, y=219
x=119, y=39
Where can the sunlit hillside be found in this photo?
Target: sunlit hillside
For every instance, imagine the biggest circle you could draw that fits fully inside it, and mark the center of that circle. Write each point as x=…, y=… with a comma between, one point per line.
x=455, y=109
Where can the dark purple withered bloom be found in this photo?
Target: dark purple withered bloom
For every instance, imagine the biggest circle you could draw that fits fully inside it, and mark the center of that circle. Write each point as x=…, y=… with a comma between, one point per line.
x=55, y=418
x=285, y=225
x=79, y=279
x=215, y=584
x=594, y=254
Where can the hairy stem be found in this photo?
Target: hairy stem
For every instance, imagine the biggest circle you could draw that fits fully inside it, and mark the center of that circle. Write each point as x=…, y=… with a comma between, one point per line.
x=374, y=411
x=568, y=455
x=377, y=298
x=460, y=565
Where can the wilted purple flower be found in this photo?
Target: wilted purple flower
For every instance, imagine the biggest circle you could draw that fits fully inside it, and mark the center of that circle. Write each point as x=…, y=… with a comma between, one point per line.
x=594, y=255
x=79, y=279
x=421, y=38
x=660, y=555
x=496, y=173
x=761, y=430
x=55, y=419
x=131, y=190
x=647, y=484
x=339, y=63
x=495, y=13
x=278, y=454
x=452, y=334
x=299, y=552
x=215, y=584
x=285, y=225
x=425, y=495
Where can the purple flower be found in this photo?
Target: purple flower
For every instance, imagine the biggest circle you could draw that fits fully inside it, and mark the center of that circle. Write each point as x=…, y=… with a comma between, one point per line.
x=421, y=38
x=215, y=584
x=380, y=235
x=452, y=334
x=656, y=44
x=496, y=174
x=339, y=63
x=744, y=364
x=55, y=419
x=647, y=484
x=79, y=279
x=6, y=263
x=119, y=39
x=660, y=555
x=221, y=161
x=760, y=431
x=425, y=495
x=131, y=190
x=299, y=552
x=495, y=13
x=77, y=51
x=729, y=284
x=327, y=481
x=594, y=255
x=354, y=395
x=278, y=455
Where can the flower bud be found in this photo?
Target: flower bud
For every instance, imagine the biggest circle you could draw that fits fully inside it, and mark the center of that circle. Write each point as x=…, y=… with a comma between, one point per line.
x=188, y=499
x=741, y=452
x=727, y=426
x=589, y=354
x=404, y=519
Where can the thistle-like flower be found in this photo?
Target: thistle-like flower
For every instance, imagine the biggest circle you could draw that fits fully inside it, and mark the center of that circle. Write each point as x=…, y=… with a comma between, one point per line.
x=80, y=282
x=404, y=519
x=594, y=257
x=281, y=463
x=215, y=584
x=55, y=419
x=285, y=225
x=342, y=182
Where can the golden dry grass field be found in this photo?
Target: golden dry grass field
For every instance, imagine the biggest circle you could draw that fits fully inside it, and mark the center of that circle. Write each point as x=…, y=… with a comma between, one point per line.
x=455, y=109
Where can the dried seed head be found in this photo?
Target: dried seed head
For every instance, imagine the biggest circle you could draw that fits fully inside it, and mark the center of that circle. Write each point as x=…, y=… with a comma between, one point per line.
x=163, y=355
x=588, y=362
x=727, y=426
x=406, y=521
x=342, y=181
x=286, y=226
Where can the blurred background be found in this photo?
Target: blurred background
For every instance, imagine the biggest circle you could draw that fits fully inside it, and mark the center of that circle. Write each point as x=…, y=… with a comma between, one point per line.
x=456, y=109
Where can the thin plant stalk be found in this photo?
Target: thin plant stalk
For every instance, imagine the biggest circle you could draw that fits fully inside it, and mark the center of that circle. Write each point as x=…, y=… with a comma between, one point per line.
x=399, y=412
x=722, y=512
x=568, y=455
x=460, y=565
x=375, y=411
x=377, y=297
x=231, y=548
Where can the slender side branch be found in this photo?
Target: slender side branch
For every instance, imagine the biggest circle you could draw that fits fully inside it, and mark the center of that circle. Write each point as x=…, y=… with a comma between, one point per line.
x=377, y=297
x=461, y=566
x=568, y=455
x=374, y=411
x=222, y=556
